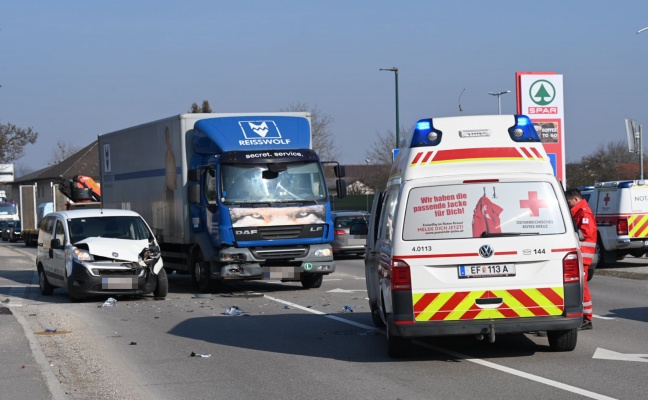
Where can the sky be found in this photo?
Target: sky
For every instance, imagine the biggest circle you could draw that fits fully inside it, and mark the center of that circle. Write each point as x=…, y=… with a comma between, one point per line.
x=74, y=70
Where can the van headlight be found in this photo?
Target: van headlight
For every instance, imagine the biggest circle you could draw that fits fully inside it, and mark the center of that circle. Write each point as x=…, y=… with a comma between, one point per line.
x=81, y=255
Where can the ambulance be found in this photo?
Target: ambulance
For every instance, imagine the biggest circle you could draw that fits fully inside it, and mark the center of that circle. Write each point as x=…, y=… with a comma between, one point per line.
x=621, y=211
x=473, y=236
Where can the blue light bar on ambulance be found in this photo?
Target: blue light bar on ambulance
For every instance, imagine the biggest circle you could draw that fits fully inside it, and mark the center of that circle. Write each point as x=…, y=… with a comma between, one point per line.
x=425, y=134
x=523, y=130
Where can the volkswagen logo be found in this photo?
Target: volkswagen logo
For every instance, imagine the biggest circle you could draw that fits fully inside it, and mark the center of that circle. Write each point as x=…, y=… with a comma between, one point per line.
x=486, y=251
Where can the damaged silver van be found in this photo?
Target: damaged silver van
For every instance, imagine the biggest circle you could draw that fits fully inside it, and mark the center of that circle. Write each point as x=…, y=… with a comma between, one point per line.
x=96, y=252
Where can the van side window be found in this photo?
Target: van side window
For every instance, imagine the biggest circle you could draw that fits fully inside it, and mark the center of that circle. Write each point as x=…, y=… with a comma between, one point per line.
x=59, y=232
x=46, y=230
x=386, y=229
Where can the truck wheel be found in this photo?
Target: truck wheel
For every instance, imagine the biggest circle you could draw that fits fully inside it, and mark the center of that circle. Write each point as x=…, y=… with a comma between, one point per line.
x=398, y=346
x=162, y=287
x=312, y=281
x=45, y=287
x=200, y=272
x=562, y=340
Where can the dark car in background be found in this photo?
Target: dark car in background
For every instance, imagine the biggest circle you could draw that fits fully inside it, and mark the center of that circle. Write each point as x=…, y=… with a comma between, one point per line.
x=15, y=231
x=350, y=229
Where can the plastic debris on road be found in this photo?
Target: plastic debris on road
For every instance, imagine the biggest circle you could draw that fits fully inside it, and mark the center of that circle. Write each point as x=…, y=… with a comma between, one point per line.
x=234, y=310
x=347, y=309
x=200, y=355
x=50, y=330
x=286, y=307
x=111, y=302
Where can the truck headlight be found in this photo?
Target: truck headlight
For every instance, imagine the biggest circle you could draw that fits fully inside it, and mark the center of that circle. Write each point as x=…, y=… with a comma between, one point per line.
x=323, y=252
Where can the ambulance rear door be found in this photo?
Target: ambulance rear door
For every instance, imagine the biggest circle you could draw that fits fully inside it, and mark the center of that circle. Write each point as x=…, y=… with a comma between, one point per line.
x=486, y=249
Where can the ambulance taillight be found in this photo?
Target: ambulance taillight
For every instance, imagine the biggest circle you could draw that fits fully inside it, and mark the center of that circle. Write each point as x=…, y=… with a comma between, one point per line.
x=570, y=268
x=622, y=226
x=400, y=276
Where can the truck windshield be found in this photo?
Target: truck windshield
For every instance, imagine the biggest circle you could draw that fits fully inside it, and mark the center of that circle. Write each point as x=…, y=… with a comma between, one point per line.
x=8, y=209
x=254, y=183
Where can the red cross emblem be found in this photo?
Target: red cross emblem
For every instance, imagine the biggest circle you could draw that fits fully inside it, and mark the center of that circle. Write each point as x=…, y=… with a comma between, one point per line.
x=534, y=204
x=607, y=198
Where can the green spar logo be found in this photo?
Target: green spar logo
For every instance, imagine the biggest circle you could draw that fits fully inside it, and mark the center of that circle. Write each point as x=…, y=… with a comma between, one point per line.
x=542, y=92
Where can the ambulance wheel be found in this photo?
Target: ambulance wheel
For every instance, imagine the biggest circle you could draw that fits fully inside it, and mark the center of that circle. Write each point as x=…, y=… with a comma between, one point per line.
x=562, y=340
x=398, y=346
x=311, y=281
x=590, y=273
x=375, y=317
x=162, y=287
x=201, y=274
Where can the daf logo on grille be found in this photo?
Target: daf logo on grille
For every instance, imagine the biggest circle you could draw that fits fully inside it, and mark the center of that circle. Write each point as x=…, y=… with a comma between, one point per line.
x=486, y=251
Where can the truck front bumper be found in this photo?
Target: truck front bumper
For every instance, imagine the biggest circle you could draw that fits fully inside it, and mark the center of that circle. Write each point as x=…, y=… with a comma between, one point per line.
x=286, y=264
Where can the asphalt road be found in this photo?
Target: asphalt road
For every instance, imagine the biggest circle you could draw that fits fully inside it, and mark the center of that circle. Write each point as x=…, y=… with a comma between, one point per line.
x=291, y=343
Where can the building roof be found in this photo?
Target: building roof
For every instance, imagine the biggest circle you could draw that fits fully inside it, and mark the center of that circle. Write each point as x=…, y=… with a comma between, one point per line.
x=83, y=162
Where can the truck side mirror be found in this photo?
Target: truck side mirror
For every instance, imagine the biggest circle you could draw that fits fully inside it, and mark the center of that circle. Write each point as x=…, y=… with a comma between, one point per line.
x=340, y=171
x=193, y=193
x=340, y=186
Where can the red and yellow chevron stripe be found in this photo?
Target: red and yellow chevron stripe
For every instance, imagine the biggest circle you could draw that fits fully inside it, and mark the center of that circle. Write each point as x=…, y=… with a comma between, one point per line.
x=478, y=154
x=638, y=225
x=516, y=303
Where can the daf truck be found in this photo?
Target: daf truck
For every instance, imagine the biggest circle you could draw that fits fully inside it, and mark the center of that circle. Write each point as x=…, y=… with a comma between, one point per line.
x=228, y=196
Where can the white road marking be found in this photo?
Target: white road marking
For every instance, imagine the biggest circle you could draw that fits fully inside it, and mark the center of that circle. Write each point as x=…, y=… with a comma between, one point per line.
x=338, y=290
x=600, y=317
x=613, y=355
x=484, y=363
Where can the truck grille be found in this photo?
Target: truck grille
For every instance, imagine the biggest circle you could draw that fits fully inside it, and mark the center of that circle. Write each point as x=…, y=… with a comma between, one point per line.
x=280, y=232
x=276, y=253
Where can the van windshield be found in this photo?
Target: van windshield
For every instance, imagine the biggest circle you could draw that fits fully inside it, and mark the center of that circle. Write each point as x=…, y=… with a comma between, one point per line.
x=483, y=210
x=117, y=227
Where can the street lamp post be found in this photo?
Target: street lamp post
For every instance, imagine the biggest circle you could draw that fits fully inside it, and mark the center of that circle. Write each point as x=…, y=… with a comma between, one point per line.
x=395, y=71
x=365, y=189
x=499, y=101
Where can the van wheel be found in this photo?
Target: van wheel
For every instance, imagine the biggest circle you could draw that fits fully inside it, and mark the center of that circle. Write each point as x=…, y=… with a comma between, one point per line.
x=562, y=340
x=311, y=281
x=162, y=287
x=45, y=287
x=200, y=273
x=398, y=346
x=375, y=316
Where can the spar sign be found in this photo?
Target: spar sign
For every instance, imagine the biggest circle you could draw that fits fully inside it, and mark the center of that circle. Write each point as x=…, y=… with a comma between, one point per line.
x=540, y=96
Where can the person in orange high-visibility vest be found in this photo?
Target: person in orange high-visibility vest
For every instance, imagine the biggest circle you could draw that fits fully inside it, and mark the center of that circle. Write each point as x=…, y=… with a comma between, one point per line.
x=586, y=223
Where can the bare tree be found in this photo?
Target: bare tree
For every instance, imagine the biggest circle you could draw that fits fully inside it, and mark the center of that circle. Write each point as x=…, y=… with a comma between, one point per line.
x=322, y=139
x=605, y=164
x=62, y=151
x=13, y=141
x=380, y=156
x=195, y=108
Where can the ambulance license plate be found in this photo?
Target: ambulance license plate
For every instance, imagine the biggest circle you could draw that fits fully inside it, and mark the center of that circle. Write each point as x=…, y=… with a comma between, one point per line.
x=486, y=271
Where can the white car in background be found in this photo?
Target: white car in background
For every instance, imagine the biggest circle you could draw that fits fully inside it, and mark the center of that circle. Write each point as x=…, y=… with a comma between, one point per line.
x=97, y=252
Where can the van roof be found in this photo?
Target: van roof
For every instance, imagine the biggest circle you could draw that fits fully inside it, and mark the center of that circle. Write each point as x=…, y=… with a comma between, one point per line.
x=469, y=144
x=95, y=212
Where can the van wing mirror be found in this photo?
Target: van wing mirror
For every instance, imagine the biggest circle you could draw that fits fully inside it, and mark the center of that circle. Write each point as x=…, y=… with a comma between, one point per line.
x=56, y=244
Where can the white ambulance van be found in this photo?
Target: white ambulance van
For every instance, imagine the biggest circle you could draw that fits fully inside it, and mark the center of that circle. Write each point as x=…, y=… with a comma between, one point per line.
x=621, y=211
x=473, y=236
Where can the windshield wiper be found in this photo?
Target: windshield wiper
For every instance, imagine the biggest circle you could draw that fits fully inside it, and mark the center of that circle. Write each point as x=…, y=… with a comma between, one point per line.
x=504, y=234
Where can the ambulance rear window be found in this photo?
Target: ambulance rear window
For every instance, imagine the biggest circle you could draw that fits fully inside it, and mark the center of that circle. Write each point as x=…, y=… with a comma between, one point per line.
x=481, y=210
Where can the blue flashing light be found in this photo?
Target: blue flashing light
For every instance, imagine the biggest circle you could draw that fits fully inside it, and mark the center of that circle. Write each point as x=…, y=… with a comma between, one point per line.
x=425, y=134
x=523, y=130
